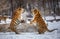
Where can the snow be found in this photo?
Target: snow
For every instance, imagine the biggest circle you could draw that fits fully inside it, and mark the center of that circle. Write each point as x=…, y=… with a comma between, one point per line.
x=51, y=17
x=26, y=37
x=7, y=21
x=34, y=35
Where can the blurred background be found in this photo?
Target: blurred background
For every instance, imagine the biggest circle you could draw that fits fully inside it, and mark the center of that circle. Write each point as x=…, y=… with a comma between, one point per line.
x=47, y=7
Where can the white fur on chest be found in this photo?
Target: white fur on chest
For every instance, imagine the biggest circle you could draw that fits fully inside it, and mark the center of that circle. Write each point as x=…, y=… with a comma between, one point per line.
x=24, y=16
x=34, y=23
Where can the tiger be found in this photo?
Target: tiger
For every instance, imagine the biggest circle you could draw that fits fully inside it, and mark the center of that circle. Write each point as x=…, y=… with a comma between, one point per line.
x=16, y=19
x=39, y=21
x=3, y=18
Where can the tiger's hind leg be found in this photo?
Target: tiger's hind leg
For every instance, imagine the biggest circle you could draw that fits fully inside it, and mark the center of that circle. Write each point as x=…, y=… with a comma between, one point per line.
x=14, y=30
x=41, y=31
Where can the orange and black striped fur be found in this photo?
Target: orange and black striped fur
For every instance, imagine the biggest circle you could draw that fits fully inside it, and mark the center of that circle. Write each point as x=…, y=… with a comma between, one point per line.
x=16, y=19
x=37, y=18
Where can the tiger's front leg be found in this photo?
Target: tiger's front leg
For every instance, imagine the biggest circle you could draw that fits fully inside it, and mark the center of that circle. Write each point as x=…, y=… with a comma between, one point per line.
x=32, y=21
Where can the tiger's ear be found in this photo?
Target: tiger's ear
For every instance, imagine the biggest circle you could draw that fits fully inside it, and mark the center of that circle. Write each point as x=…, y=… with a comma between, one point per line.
x=23, y=10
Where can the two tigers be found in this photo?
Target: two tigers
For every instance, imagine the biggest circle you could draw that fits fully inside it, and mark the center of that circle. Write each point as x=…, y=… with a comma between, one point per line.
x=40, y=23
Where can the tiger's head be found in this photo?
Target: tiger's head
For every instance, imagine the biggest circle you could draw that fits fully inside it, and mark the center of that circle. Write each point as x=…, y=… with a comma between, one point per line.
x=35, y=11
x=17, y=13
x=19, y=10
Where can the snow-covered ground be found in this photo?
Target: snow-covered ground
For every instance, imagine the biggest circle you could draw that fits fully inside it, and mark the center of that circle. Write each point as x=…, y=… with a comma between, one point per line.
x=34, y=35
x=51, y=17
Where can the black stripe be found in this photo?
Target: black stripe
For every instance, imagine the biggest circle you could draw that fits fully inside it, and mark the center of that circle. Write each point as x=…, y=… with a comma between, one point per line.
x=17, y=22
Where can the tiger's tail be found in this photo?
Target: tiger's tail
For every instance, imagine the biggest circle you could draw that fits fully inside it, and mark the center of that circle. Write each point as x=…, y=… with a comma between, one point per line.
x=51, y=30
